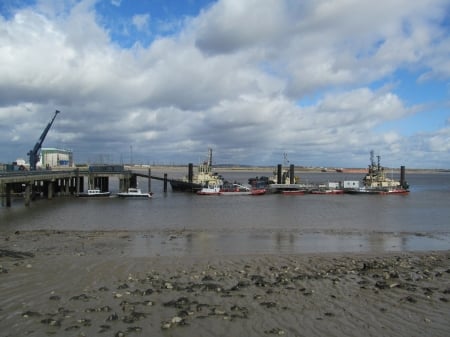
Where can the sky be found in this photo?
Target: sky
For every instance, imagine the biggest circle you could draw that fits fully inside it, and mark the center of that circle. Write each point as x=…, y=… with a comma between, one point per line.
x=161, y=81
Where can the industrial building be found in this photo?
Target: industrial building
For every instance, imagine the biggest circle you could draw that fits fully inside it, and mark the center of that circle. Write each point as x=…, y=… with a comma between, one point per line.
x=56, y=158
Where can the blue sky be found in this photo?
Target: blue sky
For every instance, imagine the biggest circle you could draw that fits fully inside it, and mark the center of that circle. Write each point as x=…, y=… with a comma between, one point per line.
x=132, y=22
x=252, y=79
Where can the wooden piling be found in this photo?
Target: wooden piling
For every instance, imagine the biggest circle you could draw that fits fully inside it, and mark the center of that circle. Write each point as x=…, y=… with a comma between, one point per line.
x=8, y=195
x=190, y=172
x=165, y=182
x=279, y=174
x=149, y=180
x=50, y=188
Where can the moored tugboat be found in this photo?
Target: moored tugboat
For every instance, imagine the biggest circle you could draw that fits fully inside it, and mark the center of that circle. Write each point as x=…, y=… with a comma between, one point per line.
x=376, y=182
x=204, y=177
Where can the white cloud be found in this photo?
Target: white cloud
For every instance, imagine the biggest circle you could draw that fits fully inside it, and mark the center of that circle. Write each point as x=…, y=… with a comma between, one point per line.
x=141, y=21
x=232, y=78
x=231, y=25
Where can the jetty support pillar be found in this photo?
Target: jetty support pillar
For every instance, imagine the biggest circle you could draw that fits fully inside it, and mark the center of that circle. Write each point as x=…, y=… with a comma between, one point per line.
x=102, y=183
x=50, y=189
x=77, y=181
x=125, y=182
x=149, y=180
x=165, y=182
x=5, y=191
x=2, y=193
x=133, y=181
x=67, y=186
x=8, y=195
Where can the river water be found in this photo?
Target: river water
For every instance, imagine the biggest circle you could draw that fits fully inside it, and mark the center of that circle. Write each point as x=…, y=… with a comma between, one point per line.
x=187, y=224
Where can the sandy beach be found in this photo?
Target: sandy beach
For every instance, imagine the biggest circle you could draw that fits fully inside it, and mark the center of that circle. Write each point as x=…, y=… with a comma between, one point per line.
x=70, y=283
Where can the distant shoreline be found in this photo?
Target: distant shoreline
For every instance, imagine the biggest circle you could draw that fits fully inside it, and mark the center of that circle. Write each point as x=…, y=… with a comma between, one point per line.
x=270, y=169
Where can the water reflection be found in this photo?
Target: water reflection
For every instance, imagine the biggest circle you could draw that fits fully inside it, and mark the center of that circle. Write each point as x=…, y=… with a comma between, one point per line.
x=180, y=223
x=204, y=244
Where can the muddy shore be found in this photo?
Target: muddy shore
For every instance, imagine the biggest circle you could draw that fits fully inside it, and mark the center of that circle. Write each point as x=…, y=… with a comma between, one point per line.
x=71, y=283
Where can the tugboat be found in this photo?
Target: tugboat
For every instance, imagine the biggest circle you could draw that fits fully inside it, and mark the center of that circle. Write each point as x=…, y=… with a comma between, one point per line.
x=204, y=177
x=376, y=182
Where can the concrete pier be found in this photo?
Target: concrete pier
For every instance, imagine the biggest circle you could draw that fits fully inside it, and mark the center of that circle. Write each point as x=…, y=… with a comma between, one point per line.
x=49, y=184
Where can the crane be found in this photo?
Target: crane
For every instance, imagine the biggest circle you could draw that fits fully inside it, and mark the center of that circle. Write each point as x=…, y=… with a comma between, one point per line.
x=34, y=154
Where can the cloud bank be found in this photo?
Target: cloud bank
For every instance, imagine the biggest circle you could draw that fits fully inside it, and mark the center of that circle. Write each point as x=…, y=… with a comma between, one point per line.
x=319, y=80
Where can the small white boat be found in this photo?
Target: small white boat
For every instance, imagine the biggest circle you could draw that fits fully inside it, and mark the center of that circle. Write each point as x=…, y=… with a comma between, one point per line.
x=94, y=193
x=211, y=189
x=134, y=193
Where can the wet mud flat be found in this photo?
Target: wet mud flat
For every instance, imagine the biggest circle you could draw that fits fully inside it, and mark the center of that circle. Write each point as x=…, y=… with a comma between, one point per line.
x=55, y=283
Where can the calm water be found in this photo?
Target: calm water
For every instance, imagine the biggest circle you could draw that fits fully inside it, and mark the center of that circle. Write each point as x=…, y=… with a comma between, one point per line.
x=179, y=223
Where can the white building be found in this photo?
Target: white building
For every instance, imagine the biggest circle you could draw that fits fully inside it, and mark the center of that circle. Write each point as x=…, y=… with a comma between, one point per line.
x=351, y=184
x=56, y=158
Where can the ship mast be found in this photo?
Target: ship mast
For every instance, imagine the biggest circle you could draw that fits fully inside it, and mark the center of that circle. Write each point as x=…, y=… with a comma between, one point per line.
x=210, y=157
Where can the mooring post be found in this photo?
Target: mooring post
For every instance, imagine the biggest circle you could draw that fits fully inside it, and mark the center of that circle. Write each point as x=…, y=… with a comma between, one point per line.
x=149, y=180
x=402, y=176
x=77, y=181
x=67, y=186
x=165, y=182
x=190, y=172
x=8, y=195
x=50, y=188
x=279, y=169
x=2, y=193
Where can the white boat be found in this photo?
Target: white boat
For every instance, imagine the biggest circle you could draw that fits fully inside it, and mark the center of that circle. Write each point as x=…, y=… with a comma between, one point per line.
x=134, y=192
x=94, y=193
x=210, y=189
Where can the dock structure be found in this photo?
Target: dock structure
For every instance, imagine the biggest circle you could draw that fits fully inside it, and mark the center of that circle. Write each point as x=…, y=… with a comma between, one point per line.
x=49, y=183
x=31, y=183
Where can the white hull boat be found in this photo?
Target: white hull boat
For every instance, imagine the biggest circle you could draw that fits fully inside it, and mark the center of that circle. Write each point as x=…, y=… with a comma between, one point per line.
x=134, y=193
x=94, y=193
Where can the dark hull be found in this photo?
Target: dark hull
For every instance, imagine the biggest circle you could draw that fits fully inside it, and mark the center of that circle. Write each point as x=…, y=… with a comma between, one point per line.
x=134, y=196
x=184, y=186
x=362, y=191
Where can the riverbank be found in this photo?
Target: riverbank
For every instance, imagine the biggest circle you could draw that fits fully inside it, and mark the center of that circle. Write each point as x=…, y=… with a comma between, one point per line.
x=86, y=283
